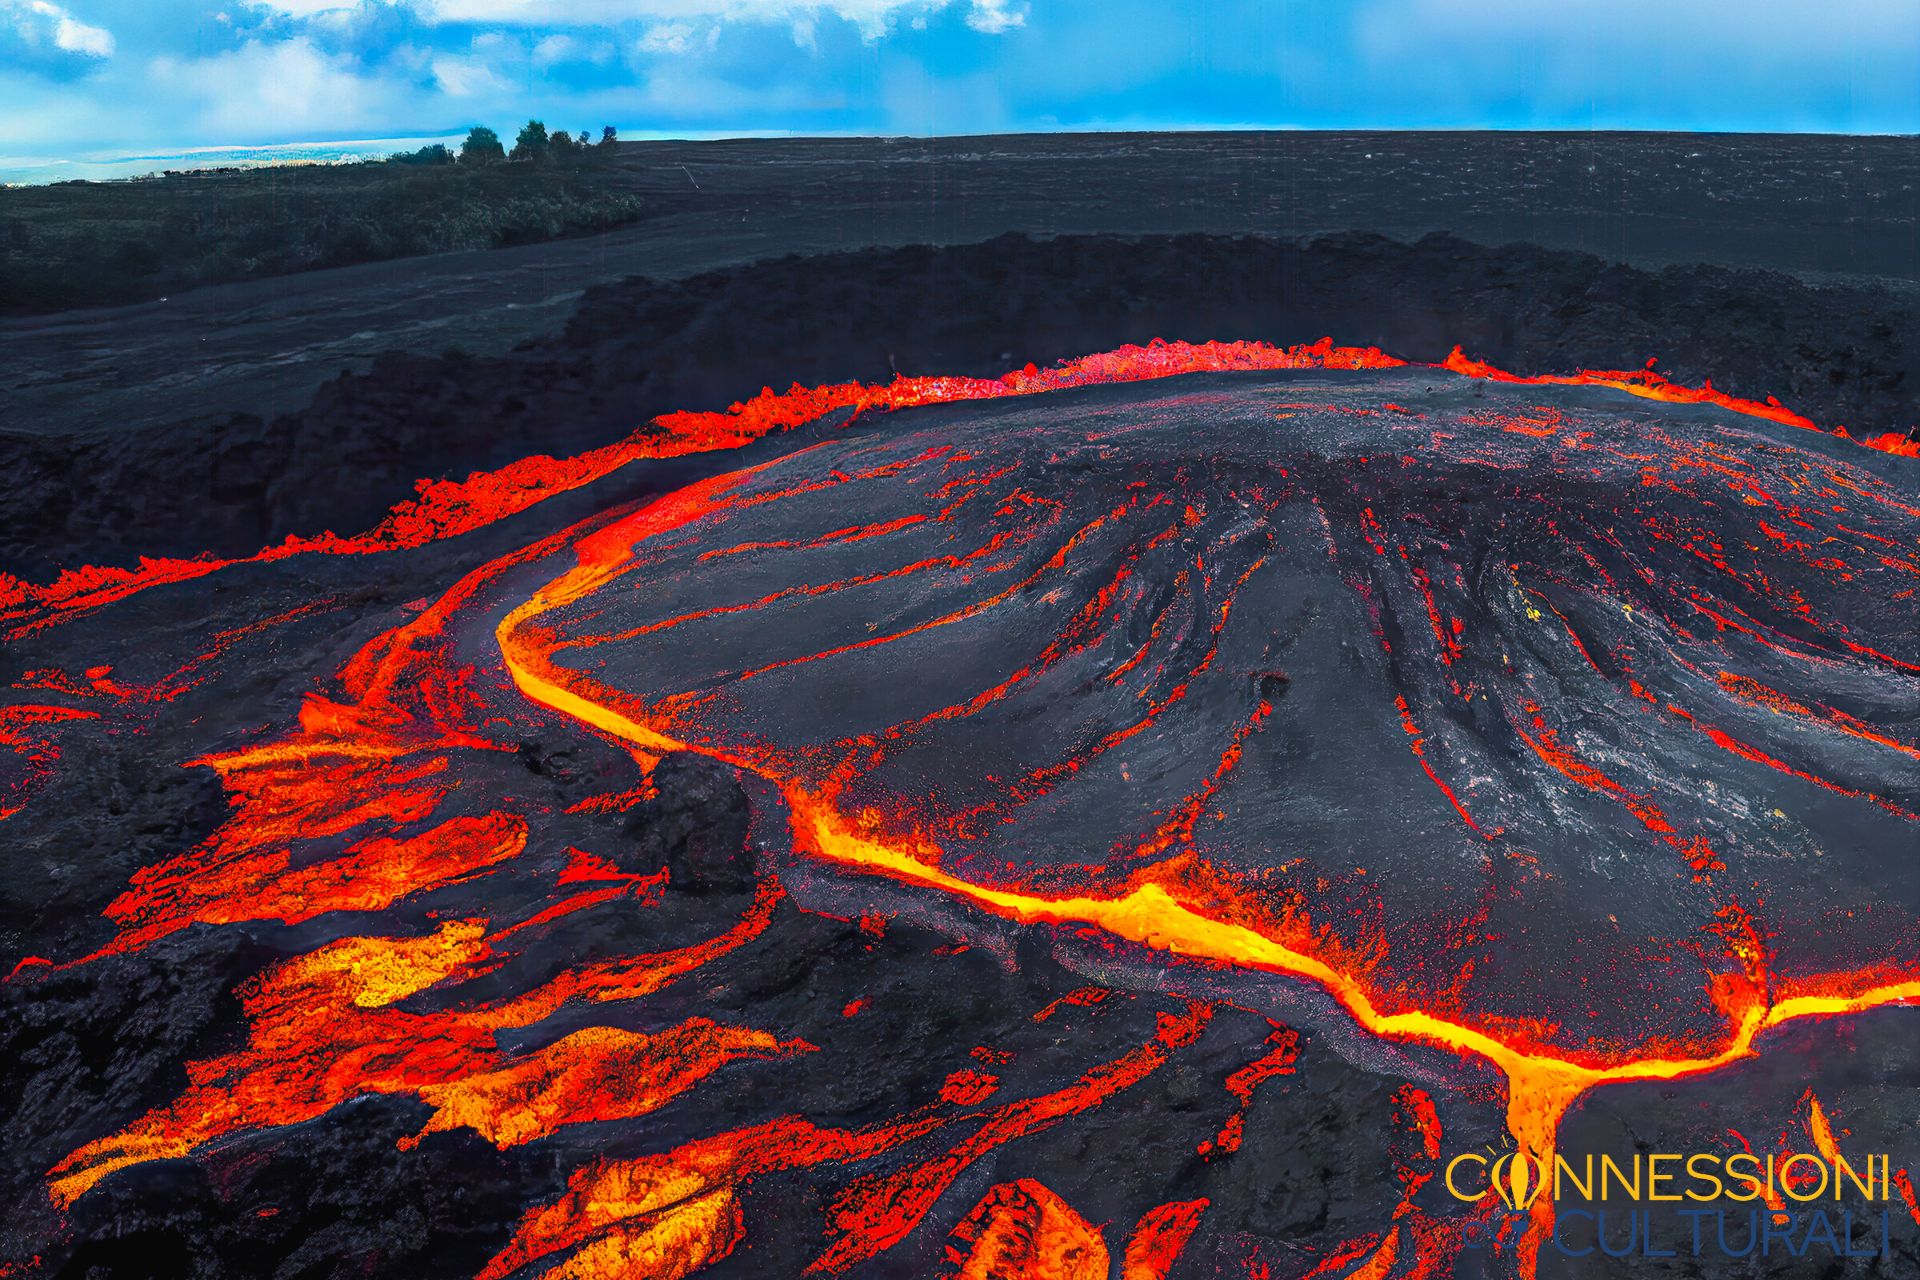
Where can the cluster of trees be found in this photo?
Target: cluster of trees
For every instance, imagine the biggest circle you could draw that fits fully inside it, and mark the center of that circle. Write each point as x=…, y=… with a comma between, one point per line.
x=483, y=146
x=90, y=244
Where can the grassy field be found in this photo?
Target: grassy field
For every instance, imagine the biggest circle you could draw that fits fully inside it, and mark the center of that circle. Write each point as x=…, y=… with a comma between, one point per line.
x=96, y=243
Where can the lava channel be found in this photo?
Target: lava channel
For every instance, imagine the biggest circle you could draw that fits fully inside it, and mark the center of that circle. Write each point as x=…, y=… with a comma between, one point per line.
x=1549, y=729
x=1555, y=729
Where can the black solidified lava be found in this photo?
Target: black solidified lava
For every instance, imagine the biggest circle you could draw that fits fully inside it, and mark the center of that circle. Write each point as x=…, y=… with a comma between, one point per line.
x=1145, y=829
x=229, y=484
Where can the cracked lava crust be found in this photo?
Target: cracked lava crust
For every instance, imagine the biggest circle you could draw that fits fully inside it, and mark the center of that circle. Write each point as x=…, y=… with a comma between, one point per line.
x=1497, y=744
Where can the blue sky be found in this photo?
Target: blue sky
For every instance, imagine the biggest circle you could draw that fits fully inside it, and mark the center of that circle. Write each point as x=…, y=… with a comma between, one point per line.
x=116, y=77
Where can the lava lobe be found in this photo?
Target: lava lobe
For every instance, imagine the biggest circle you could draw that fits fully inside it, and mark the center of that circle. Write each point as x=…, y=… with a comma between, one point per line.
x=1579, y=722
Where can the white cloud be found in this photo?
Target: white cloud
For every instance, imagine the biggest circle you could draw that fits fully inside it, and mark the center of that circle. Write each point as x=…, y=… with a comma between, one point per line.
x=291, y=69
x=873, y=18
x=465, y=75
x=305, y=8
x=668, y=37
x=573, y=13
x=996, y=17
x=40, y=22
x=285, y=88
x=75, y=36
x=556, y=49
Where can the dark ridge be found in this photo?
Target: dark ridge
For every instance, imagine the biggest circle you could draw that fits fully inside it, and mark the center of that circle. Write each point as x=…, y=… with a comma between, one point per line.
x=230, y=484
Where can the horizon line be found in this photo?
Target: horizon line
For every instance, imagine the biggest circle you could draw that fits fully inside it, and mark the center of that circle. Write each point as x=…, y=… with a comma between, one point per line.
x=19, y=171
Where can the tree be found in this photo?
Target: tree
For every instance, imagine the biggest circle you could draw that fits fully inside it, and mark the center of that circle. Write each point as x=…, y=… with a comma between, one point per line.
x=482, y=147
x=561, y=146
x=433, y=154
x=609, y=139
x=532, y=144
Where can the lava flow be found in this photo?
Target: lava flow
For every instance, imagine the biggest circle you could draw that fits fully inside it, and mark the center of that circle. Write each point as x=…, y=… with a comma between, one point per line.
x=1156, y=575
x=1498, y=731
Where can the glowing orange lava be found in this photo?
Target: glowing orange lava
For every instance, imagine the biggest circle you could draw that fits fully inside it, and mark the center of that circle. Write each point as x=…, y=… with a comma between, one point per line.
x=373, y=769
x=448, y=508
x=1542, y=1083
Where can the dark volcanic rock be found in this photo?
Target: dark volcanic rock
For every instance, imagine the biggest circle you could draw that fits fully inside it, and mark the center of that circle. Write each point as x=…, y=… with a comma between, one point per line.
x=333, y=1201
x=231, y=483
x=696, y=827
x=89, y=1047
x=1047, y=674
x=1569, y=576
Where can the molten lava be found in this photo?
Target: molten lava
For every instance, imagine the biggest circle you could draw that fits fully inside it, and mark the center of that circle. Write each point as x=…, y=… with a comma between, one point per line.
x=1433, y=703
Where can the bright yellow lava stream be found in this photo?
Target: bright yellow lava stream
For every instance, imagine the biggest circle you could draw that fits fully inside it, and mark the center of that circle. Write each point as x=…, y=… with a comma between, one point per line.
x=1540, y=1087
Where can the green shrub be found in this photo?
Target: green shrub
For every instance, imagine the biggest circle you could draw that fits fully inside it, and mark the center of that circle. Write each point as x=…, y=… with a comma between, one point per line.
x=482, y=147
x=532, y=144
x=99, y=243
x=436, y=153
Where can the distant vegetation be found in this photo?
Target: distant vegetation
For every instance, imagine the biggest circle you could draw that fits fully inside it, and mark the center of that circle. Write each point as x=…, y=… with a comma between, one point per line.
x=95, y=243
